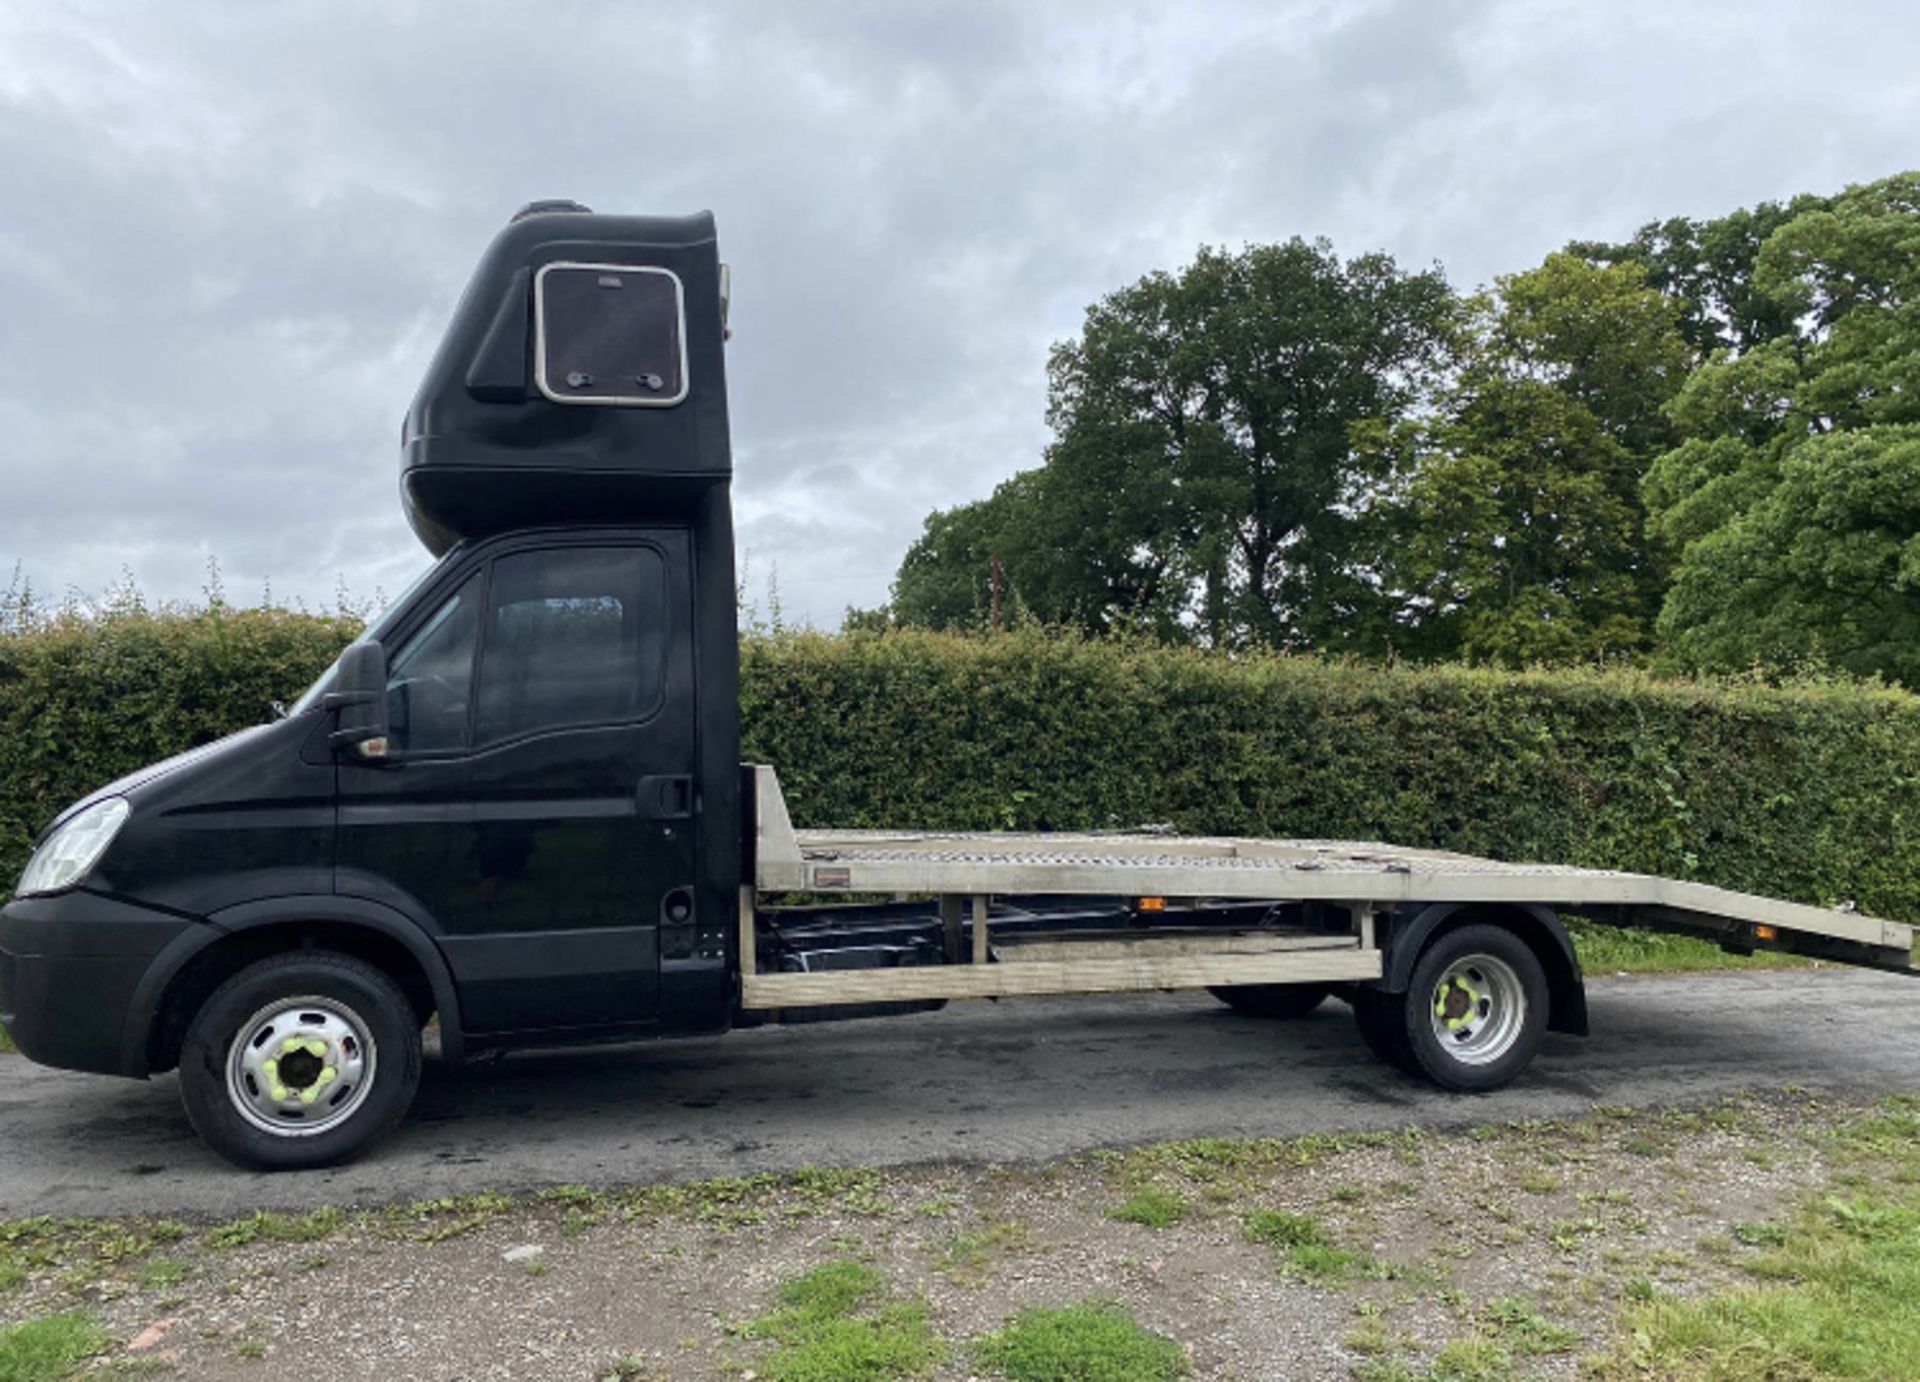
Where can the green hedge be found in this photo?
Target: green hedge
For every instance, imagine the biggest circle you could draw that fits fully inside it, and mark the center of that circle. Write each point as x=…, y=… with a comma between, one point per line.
x=83, y=702
x=1810, y=792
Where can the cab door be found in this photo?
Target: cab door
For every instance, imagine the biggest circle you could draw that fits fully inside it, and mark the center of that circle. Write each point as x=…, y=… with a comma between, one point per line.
x=549, y=843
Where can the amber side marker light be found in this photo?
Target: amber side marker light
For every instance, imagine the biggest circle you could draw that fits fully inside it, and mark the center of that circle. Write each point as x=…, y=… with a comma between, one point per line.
x=1153, y=904
x=1765, y=933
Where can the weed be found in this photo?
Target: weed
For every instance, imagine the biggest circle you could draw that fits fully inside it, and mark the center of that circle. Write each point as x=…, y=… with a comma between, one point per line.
x=1093, y=1340
x=1760, y=1235
x=1279, y=1229
x=969, y=1256
x=1370, y=1339
x=1472, y=1360
x=1383, y=1370
x=1521, y=1328
x=1565, y=1234
x=451, y=1216
x=1153, y=1208
x=821, y=1338
x=163, y=1272
x=276, y=1228
x=1303, y=1247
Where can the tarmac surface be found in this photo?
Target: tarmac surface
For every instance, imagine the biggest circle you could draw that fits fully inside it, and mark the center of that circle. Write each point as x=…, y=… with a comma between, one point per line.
x=1014, y=1081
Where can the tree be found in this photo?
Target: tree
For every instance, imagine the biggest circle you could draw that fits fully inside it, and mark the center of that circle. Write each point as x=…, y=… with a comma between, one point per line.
x=1759, y=429
x=1824, y=569
x=1708, y=268
x=1521, y=529
x=1202, y=480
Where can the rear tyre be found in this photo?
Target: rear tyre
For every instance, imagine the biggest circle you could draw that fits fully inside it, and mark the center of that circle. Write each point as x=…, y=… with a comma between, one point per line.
x=1279, y=1002
x=1382, y=1020
x=1475, y=1009
x=303, y=1059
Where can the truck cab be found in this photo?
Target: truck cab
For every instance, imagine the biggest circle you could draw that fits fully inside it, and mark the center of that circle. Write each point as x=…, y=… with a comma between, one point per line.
x=512, y=805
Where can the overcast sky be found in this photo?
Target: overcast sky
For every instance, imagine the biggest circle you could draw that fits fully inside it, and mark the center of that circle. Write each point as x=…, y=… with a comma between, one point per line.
x=230, y=233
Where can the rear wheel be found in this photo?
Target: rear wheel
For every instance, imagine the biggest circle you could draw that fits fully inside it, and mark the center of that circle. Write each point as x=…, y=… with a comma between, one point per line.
x=1282, y=1002
x=1381, y=1018
x=303, y=1059
x=1473, y=1014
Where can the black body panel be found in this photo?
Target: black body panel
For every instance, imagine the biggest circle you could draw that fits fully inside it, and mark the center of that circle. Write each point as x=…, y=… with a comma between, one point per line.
x=70, y=968
x=484, y=449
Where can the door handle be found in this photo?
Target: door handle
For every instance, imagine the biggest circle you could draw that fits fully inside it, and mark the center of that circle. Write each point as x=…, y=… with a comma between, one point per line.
x=666, y=798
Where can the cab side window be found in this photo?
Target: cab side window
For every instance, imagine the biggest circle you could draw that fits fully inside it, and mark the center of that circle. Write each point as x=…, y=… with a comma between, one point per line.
x=573, y=637
x=430, y=680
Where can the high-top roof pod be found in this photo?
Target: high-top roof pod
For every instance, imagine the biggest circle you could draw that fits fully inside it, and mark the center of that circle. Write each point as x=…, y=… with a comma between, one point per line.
x=581, y=380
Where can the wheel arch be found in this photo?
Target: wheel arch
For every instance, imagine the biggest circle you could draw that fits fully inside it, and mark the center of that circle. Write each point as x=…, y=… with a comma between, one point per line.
x=189, y=970
x=1539, y=926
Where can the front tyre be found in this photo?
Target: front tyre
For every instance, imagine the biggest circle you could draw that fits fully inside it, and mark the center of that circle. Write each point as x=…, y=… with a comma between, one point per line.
x=1475, y=1009
x=303, y=1059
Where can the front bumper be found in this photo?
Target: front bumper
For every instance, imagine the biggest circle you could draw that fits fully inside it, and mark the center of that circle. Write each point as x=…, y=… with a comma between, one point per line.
x=70, y=967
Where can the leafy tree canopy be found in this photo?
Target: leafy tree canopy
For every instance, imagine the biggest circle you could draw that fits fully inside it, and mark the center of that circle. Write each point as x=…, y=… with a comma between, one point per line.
x=1807, y=428
x=1203, y=481
x=1687, y=447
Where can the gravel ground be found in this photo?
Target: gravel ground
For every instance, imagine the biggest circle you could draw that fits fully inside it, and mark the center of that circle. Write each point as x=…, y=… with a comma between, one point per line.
x=1449, y=1233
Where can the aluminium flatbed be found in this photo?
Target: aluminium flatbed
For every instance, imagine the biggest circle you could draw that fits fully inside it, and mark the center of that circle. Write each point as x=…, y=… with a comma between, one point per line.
x=1365, y=885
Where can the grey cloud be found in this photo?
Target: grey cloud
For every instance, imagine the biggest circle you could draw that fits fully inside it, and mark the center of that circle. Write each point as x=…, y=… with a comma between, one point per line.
x=232, y=233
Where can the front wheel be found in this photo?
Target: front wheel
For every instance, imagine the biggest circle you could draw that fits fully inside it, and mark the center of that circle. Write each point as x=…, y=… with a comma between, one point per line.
x=302, y=1059
x=1472, y=1017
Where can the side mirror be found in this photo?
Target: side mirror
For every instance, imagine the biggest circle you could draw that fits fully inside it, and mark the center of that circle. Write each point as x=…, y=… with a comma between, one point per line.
x=359, y=698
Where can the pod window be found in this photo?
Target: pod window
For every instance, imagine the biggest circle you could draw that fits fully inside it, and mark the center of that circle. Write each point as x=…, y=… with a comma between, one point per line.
x=612, y=334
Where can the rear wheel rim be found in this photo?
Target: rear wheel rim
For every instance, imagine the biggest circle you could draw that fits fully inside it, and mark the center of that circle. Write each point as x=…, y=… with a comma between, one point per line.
x=300, y=1066
x=1478, y=1009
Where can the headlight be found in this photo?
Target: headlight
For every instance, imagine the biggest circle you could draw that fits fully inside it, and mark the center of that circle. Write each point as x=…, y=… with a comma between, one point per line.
x=71, y=851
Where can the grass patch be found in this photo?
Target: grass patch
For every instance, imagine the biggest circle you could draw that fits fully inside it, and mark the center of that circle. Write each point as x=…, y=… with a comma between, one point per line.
x=833, y=1326
x=78, y=1250
x=1091, y=1342
x=47, y=1349
x=1521, y=1328
x=6, y=1043
x=1153, y=1208
x=1304, y=1248
x=163, y=1272
x=276, y=1228
x=1472, y=1360
x=451, y=1216
x=1834, y=1293
x=730, y=1202
x=1620, y=950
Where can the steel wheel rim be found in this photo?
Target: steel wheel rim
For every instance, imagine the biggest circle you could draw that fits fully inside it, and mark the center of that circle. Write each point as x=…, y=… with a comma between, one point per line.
x=1478, y=1009
x=300, y=1066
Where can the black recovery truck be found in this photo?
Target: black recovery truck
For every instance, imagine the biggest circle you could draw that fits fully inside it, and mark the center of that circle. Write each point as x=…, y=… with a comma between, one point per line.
x=516, y=803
